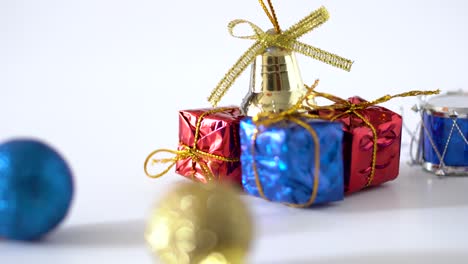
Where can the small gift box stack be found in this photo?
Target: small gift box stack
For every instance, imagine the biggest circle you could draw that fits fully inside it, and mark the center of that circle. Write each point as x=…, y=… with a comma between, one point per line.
x=279, y=145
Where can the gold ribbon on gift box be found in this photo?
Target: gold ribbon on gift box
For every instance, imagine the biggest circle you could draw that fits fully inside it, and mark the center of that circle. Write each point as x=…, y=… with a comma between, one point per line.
x=353, y=109
x=283, y=39
x=192, y=152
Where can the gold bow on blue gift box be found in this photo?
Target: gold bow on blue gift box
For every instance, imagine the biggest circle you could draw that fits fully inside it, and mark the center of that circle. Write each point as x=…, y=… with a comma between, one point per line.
x=284, y=39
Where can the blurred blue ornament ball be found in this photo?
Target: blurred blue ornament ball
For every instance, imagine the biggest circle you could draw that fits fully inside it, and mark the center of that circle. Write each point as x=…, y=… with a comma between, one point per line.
x=36, y=189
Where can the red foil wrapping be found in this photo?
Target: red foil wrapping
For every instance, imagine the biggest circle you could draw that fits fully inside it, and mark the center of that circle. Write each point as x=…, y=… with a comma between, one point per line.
x=219, y=135
x=358, y=146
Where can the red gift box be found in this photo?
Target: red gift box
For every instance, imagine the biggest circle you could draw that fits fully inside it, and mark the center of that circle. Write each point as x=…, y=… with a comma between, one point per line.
x=212, y=136
x=358, y=144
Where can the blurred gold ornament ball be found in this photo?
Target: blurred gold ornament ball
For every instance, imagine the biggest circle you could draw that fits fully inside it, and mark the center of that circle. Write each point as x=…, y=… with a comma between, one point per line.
x=200, y=223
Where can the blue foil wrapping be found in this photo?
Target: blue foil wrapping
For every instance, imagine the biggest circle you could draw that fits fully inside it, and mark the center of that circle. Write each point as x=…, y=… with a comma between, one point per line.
x=439, y=130
x=284, y=155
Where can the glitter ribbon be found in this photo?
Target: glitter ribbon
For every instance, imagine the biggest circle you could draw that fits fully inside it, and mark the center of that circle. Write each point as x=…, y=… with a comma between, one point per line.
x=350, y=108
x=192, y=152
x=283, y=39
x=294, y=114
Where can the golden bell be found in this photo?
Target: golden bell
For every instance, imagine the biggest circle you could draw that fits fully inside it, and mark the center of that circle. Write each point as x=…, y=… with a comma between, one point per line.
x=275, y=82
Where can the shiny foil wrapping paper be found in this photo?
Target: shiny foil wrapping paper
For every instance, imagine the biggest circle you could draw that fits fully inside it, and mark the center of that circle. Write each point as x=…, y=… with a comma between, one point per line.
x=284, y=156
x=439, y=129
x=219, y=135
x=358, y=146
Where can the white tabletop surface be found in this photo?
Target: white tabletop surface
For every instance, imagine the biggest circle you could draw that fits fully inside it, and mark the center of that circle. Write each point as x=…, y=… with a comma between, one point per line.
x=102, y=81
x=419, y=218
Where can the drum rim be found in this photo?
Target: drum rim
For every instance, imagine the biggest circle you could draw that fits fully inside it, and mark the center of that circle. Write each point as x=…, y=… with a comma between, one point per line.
x=446, y=111
x=448, y=170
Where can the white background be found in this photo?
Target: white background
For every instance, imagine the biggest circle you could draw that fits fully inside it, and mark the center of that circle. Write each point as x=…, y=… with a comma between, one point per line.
x=102, y=82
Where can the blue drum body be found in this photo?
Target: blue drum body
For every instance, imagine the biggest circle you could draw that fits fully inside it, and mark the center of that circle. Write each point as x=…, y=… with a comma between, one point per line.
x=444, y=134
x=441, y=130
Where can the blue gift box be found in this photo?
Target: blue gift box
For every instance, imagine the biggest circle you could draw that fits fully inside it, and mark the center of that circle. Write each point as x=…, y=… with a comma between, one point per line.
x=279, y=161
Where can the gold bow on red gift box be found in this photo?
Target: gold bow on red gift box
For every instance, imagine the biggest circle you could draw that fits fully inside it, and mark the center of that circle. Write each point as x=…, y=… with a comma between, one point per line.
x=193, y=152
x=345, y=107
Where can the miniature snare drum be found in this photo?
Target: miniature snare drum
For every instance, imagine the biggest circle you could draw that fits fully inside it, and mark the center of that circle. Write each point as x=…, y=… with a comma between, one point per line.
x=444, y=133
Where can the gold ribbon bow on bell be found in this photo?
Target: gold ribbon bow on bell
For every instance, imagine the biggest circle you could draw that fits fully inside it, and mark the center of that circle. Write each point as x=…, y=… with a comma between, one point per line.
x=353, y=109
x=283, y=39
